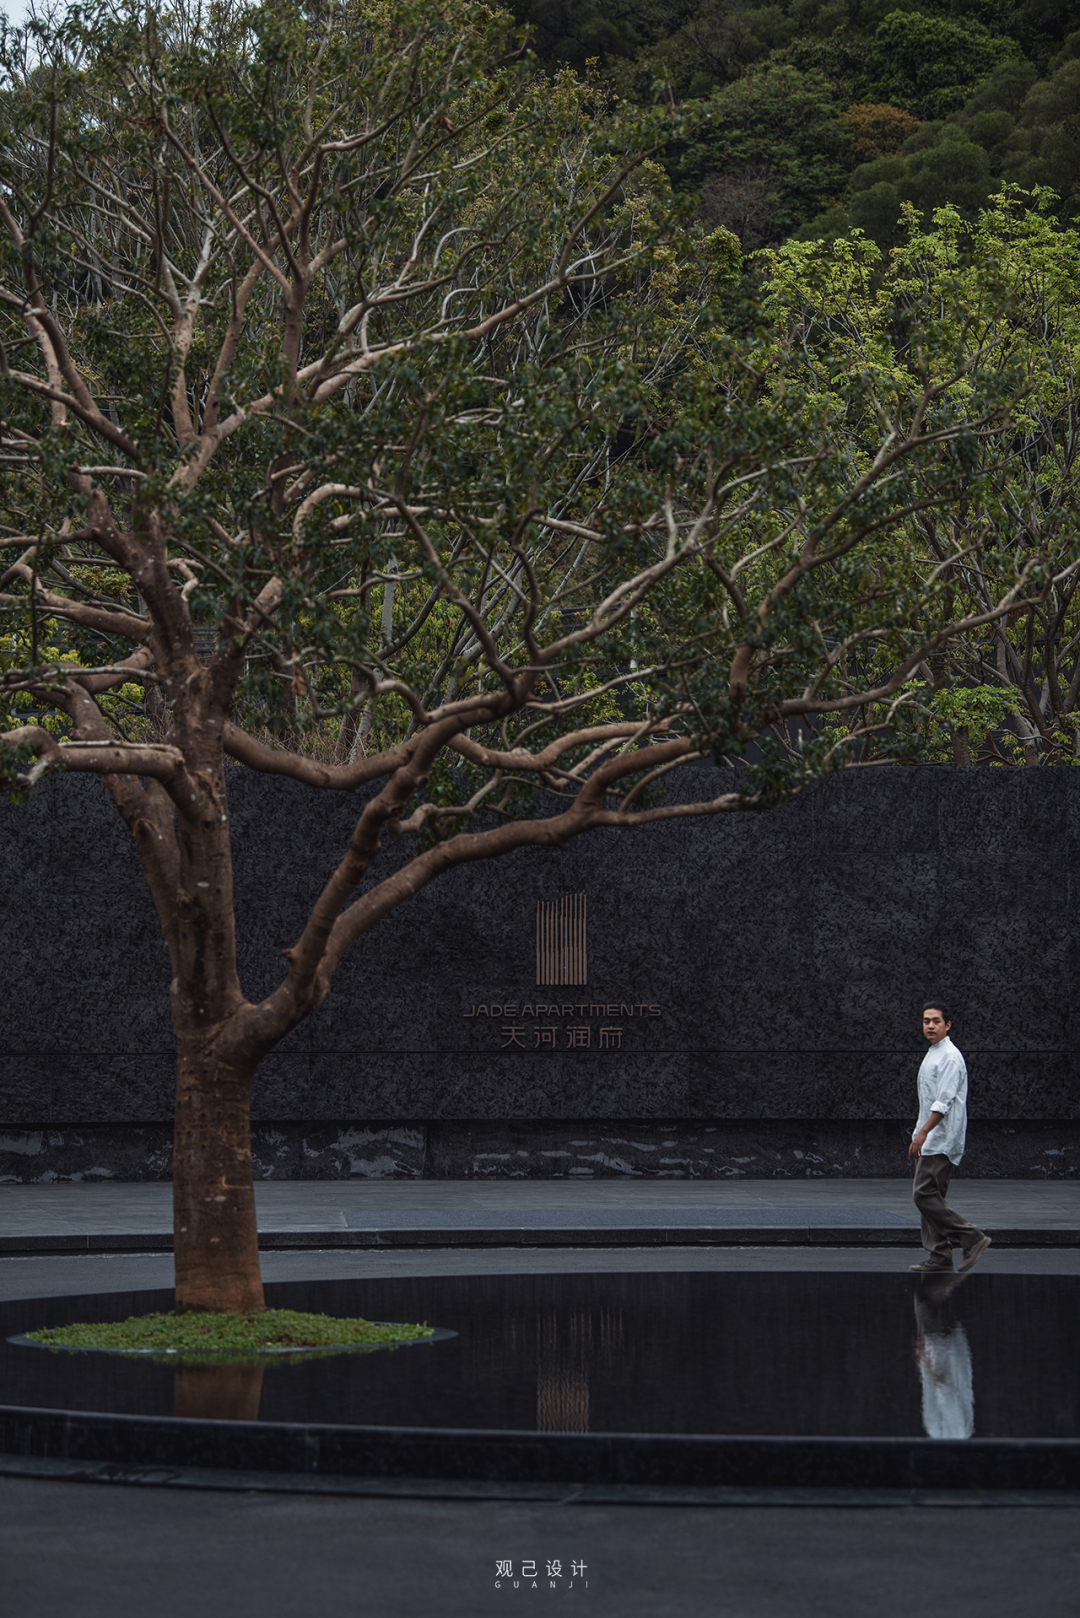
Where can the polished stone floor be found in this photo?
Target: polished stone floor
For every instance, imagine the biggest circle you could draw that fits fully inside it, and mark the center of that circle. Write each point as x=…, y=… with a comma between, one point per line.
x=51, y=1275
x=72, y=1550
x=311, y=1206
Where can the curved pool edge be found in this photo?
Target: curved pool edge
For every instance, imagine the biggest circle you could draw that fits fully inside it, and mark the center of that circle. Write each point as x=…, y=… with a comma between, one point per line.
x=482, y=1456
x=222, y=1480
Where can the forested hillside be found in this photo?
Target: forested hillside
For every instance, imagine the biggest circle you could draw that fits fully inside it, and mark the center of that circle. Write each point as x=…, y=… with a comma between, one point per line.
x=830, y=113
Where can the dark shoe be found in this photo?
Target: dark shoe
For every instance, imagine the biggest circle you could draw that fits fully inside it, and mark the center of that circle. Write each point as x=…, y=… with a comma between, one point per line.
x=933, y=1266
x=974, y=1253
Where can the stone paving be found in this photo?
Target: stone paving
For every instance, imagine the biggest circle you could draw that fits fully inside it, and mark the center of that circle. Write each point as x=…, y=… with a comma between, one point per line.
x=64, y=1274
x=317, y=1206
x=80, y=1550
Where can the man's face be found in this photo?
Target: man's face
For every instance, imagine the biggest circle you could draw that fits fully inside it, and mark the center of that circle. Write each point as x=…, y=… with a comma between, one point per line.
x=934, y=1025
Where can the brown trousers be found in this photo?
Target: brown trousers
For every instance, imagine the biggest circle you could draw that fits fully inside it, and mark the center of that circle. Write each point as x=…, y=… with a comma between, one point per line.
x=942, y=1227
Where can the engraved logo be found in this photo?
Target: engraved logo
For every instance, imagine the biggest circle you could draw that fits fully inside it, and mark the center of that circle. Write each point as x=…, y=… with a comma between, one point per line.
x=561, y=953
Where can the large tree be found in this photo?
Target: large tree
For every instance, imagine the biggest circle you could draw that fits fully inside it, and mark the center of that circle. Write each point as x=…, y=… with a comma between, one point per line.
x=358, y=381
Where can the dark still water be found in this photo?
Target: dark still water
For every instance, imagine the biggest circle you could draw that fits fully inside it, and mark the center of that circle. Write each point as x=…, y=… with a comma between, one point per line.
x=809, y=1354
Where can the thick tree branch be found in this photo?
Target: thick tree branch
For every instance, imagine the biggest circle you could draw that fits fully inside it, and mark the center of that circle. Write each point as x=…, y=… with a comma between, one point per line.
x=95, y=758
x=305, y=985
x=335, y=777
x=124, y=624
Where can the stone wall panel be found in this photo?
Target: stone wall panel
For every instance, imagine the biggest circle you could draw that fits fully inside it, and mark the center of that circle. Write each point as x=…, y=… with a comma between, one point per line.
x=789, y=954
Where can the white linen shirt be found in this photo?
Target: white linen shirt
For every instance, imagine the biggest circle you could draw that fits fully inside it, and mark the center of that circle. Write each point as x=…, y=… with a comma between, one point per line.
x=943, y=1087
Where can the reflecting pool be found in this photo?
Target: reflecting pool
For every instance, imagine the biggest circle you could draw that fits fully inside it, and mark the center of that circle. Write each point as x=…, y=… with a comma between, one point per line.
x=805, y=1354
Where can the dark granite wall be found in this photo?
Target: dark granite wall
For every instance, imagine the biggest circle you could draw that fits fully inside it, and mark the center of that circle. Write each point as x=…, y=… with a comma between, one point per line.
x=788, y=955
x=681, y=1149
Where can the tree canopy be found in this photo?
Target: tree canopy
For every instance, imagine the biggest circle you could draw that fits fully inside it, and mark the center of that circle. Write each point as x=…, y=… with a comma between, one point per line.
x=1000, y=78
x=1010, y=294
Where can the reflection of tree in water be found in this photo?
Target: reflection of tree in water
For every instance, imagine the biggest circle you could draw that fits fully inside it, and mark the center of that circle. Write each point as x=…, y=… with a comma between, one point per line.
x=566, y=1346
x=218, y=1392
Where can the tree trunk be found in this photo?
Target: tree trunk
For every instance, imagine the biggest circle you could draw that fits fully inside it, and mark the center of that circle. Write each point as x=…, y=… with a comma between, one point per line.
x=156, y=710
x=1027, y=738
x=349, y=725
x=961, y=743
x=215, y=1235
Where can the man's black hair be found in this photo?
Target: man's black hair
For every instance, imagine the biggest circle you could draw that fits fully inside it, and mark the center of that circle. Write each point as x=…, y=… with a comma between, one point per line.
x=936, y=1005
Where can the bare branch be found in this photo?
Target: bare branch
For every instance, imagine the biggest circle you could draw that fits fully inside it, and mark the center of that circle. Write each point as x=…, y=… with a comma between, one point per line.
x=97, y=758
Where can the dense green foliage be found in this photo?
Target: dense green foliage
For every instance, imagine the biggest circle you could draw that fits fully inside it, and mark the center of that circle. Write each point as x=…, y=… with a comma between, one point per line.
x=1003, y=288
x=227, y=1335
x=995, y=83
x=775, y=148
x=458, y=497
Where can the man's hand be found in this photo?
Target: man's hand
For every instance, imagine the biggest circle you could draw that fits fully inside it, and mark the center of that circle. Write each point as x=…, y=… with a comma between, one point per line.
x=919, y=1140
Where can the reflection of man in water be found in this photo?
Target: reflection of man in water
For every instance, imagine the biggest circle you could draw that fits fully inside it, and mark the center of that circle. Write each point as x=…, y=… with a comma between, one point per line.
x=944, y=1360
x=937, y=1144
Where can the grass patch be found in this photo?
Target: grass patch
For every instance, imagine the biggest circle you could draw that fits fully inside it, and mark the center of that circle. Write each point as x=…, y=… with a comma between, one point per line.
x=211, y=1333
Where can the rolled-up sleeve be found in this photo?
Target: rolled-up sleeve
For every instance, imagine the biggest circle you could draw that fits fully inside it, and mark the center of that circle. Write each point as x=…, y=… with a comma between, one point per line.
x=948, y=1085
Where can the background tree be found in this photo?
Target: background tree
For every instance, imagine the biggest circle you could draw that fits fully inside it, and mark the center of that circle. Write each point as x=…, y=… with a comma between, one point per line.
x=930, y=65
x=353, y=373
x=1008, y=692
x=775, y=141
x=878, y=129
x=937, y=166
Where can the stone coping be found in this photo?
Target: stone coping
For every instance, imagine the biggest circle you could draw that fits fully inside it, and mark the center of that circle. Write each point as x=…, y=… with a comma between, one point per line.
x=485, y=1456
x=229, y=1480
x=562, y=1236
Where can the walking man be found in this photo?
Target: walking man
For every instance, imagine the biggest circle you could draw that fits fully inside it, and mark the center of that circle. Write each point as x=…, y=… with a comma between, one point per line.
x=937, y=1144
